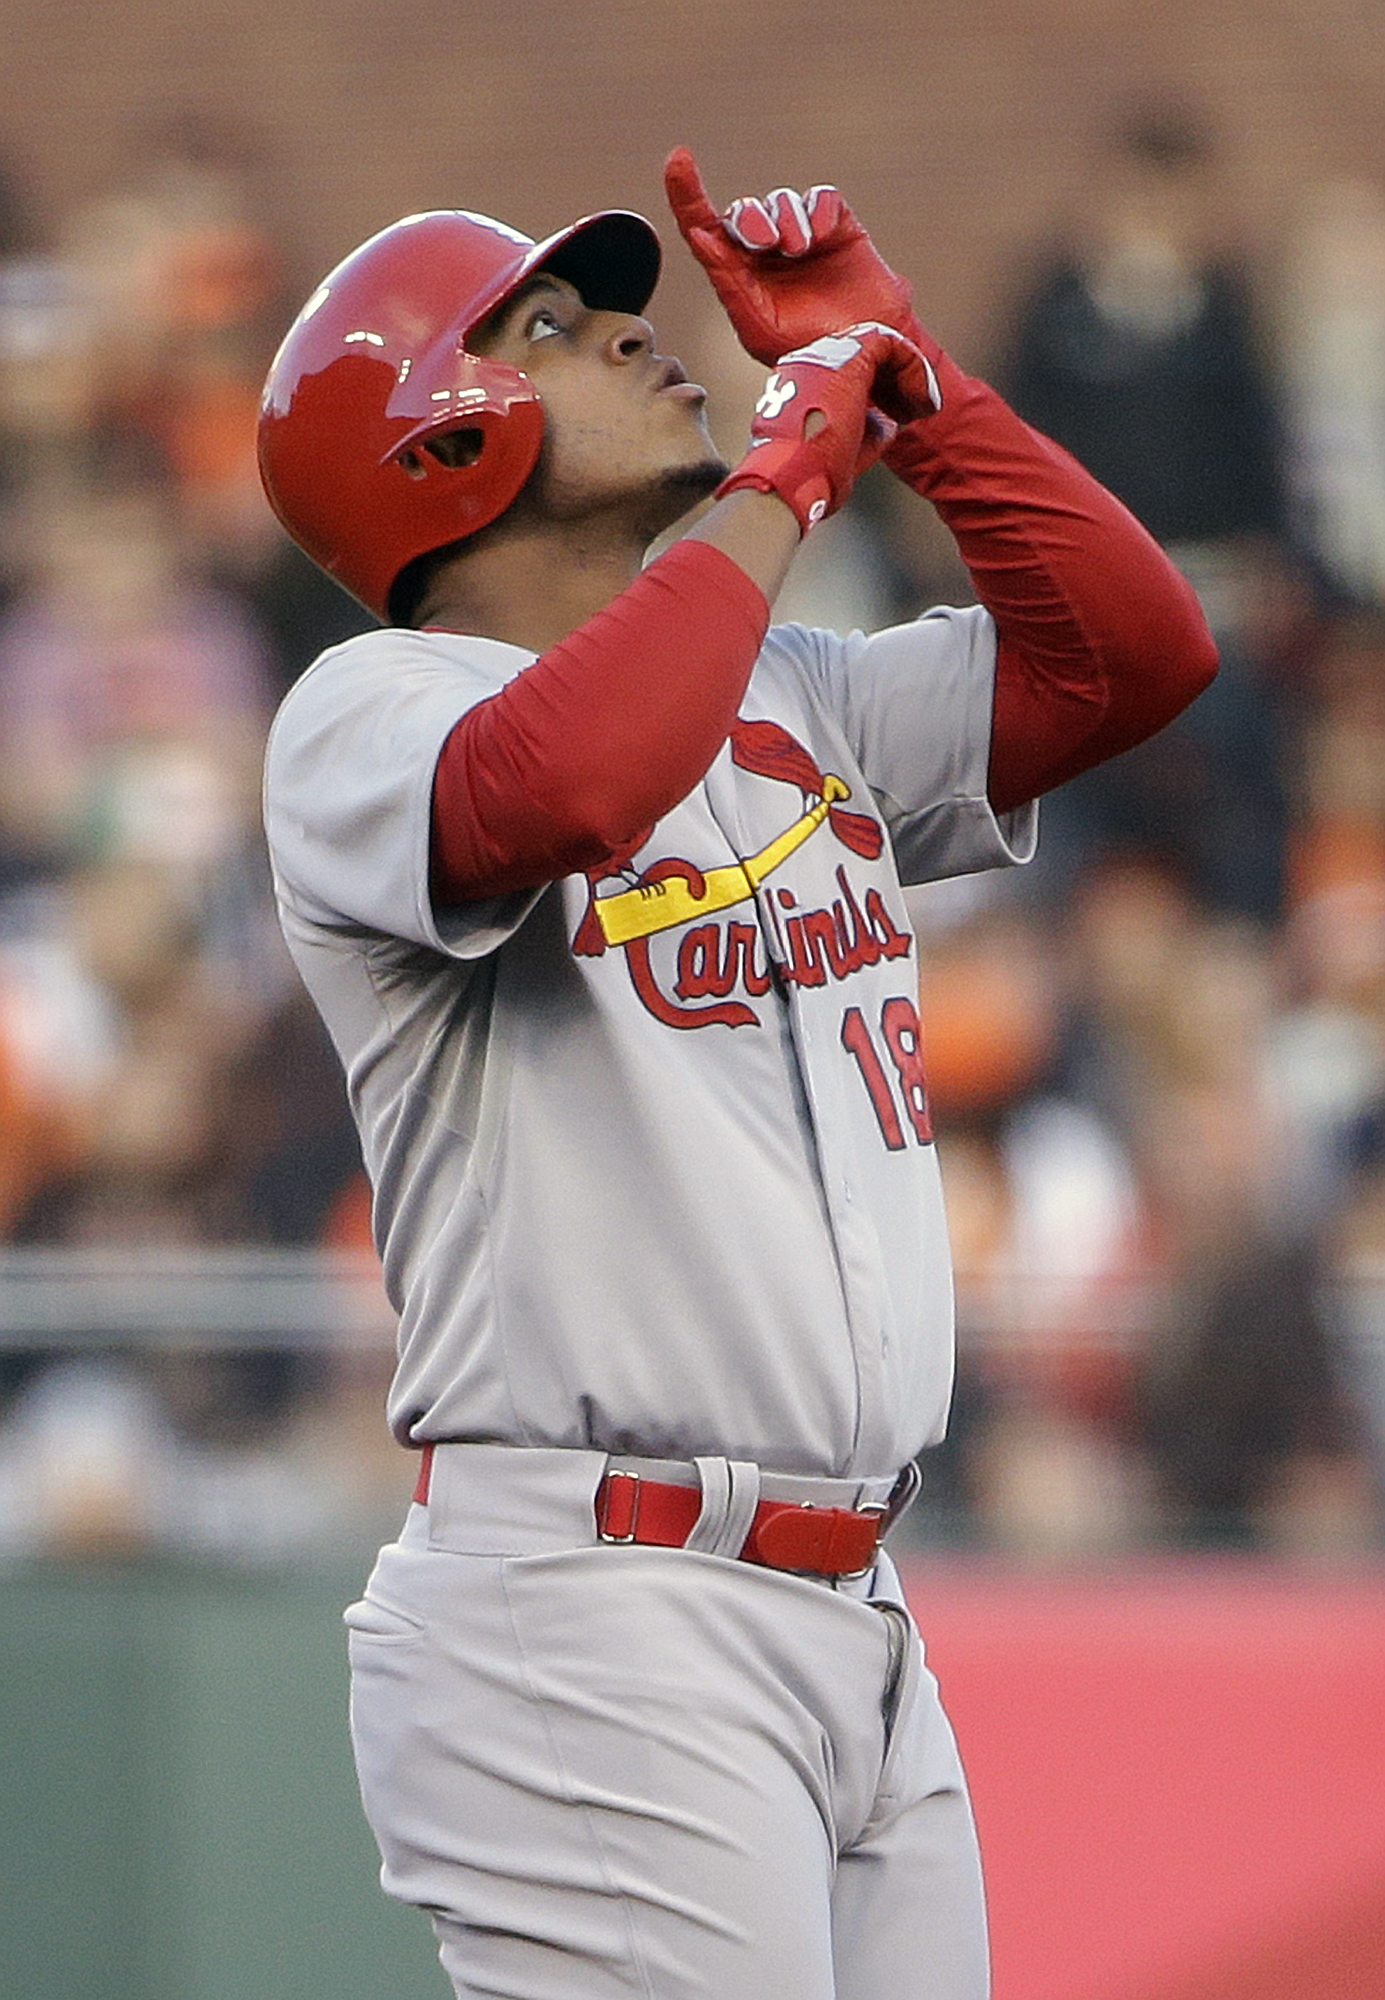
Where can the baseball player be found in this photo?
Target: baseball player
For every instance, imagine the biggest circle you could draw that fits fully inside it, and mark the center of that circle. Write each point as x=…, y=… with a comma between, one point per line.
x=595, y=876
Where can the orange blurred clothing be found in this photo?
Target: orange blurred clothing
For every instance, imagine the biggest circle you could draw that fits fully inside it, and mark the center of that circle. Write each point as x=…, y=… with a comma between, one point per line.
x=38, y=1138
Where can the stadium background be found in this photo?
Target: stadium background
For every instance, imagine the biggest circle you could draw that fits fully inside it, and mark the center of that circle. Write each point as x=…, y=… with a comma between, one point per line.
x=1178, y=1754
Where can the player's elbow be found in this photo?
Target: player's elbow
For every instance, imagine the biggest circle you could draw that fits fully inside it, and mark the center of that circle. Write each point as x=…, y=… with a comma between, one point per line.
x=1167, y=656
x=1191, y=657
x=1196, y=649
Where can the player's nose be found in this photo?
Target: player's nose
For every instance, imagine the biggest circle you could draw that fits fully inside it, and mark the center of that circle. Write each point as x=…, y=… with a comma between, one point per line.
x=627, y=337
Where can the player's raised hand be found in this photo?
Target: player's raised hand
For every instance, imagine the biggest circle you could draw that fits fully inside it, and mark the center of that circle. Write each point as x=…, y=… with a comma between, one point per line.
x=814, y=431
x=787, y=267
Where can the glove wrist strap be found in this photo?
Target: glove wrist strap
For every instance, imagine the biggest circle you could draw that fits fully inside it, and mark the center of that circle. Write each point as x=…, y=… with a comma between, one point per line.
x=790, y=468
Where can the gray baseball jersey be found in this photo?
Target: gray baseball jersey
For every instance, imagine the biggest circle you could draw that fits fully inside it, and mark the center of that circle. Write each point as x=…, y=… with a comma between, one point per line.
x=650, y=1147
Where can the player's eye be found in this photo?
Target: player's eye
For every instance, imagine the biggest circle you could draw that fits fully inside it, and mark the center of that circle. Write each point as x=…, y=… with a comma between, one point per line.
x=543, y=324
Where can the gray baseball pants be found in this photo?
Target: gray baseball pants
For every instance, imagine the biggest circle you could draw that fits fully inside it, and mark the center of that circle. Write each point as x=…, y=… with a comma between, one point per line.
x=629, y=1771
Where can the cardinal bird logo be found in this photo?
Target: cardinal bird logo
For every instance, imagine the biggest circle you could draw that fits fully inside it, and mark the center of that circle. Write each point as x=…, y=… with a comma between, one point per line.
x=671, y=891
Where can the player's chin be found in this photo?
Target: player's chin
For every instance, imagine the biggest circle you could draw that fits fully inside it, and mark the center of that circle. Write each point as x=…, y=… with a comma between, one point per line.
x=684, y=487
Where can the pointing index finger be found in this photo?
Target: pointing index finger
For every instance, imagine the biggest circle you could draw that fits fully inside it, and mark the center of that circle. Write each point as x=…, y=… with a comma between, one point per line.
x=687, y=196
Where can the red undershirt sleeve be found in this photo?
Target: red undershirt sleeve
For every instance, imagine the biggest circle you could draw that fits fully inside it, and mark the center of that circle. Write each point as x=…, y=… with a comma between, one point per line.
x=1101, y=641
x=606, y=732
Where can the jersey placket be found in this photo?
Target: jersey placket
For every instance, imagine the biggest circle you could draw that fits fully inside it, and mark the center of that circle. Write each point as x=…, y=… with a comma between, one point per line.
x=812, y=1015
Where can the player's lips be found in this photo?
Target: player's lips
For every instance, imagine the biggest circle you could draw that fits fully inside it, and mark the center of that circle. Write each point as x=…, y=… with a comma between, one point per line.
x=673, y=381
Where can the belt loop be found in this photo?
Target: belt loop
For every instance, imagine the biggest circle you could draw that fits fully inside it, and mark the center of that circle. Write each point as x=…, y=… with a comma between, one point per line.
x=730, y=1496
x=904, y=1492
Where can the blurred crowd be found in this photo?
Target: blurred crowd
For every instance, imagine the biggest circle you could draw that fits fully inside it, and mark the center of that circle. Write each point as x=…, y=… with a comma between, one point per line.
x=1156, y=1058
x=163, y=1080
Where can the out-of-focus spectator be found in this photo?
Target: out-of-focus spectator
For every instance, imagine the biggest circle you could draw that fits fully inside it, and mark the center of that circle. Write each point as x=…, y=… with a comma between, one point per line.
x=35, y=314
x=1354, y=1271
x=1256, y=1439
x=183, y=279
x=135, y=695
x=37, y=1136
x=150, y=1098
x=185, y=284
x=153, y=614
x=1122, y=943
x=1331, y=342
x=1205, y=1130
x=1138, y=346
x=1239, y=1406
x=1047, y=1231
x=20, y=234
x=1328, y=1047
x=290, y=1158
x=1124, y=1154
x=988, y=1009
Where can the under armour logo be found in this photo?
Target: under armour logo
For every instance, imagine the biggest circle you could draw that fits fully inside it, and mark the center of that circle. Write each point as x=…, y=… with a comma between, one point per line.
x=775, y=397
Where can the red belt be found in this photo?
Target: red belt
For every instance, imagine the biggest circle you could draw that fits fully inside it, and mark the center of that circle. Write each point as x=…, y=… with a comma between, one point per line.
x=784, y=1534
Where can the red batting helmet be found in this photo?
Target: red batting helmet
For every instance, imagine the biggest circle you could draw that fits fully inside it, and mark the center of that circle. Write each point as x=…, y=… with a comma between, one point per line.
x=376, y=367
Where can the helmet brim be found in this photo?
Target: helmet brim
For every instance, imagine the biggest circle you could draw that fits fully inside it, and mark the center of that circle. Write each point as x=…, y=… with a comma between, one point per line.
x=612, y=259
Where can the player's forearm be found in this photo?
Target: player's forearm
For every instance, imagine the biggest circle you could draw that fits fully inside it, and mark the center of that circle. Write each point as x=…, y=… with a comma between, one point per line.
x=608, y=730
x=1102, y=642
x=758, y=532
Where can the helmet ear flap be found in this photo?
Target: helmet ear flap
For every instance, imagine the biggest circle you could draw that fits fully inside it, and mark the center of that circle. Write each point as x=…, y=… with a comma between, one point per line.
x=467, y=460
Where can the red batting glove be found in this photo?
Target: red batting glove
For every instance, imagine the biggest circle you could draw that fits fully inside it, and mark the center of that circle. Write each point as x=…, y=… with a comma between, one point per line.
x=835, y=378
x=788, y=268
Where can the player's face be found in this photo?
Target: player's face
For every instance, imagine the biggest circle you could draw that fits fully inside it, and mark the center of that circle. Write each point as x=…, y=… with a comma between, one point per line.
x=624, y=429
